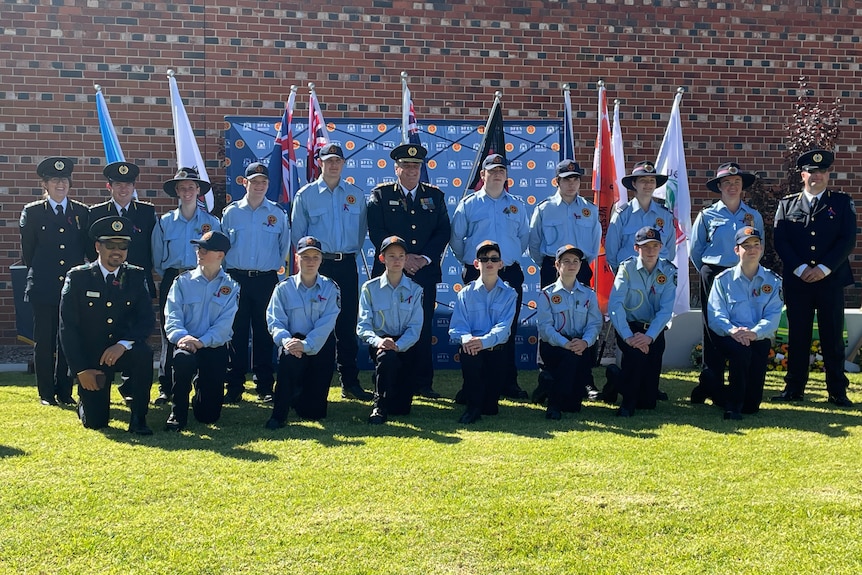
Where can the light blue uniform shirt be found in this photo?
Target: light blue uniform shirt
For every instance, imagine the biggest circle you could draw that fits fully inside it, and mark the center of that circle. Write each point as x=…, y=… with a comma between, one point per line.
x=713, y=236
x=564, y=315
x=336, y=217
x=736, y=301
x=556, y=223
x=487, y=315
x=259, y=239
x=641, y=296
x=201, y=308
x=171, y=237
x=620, y=239
x=479, y=217
x=384, y=310
x=310, y=311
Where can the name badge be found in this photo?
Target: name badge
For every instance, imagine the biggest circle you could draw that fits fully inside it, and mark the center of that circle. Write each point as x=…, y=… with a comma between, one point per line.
x=394, y=203
x=93, y=294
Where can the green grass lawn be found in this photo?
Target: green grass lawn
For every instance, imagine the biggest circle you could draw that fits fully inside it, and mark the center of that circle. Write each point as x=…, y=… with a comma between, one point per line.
x=676, y=490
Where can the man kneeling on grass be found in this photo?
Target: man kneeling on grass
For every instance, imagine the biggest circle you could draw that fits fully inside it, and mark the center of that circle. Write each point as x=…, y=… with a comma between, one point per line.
x=569, y=323
x=390, y=321
x=744, y=309
x=481, y=323
x=301, y=318
x=199, y=315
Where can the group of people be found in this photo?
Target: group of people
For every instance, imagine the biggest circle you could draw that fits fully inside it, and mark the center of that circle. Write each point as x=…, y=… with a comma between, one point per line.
x=219, y=286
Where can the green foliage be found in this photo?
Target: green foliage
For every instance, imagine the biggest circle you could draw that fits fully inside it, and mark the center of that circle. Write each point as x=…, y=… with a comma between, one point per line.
x=676, y=490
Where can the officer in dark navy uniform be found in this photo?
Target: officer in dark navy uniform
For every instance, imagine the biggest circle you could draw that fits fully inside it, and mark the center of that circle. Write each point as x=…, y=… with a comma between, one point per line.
x=121, y=178
x=53, y=240
x=815, y=232
x=106, y=316
x=415, y=211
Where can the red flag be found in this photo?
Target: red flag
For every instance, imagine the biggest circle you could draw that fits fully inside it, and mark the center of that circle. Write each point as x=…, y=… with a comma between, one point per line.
x=283, y=179
x=604, y=176
x=317, y=136
x=493, y=142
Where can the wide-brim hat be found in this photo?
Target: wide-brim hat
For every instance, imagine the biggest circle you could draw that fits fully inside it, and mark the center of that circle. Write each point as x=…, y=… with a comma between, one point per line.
x=185, y=174
x=55, y=167
x=644, y=169
x=730, y=169
x=121, y=172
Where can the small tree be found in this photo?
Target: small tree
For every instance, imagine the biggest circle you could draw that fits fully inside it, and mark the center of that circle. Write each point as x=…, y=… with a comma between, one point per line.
x=812, y=125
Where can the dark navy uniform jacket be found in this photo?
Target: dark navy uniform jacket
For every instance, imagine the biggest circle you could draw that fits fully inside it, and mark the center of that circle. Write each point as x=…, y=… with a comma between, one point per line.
x=50, y=246
x=425, y=227
x=826, y=236
x=143, y=216
x=94, y=316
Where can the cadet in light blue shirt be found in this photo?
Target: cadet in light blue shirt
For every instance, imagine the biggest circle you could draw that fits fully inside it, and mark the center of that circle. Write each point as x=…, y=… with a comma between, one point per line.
x=641, y=211
x=260, y=240
x=565, y=218
x=712, y=249
x=494, y=213
x=481, y=323
x=173, y=253
x=335, y=213
x=569, y=323
x=744, y=309
x=640, y=306
x=390, y=321
x=301, y=317
x=199, y=318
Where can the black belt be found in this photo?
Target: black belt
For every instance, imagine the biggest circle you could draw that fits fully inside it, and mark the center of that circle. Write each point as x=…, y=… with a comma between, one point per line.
x=250, y=273
x=339, y=256
x=638, y=326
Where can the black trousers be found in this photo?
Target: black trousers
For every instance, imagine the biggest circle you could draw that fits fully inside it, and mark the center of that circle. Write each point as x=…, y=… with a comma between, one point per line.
x=514, y=276
x=393, y=386
x=713, y=356
x=254, y=294
x=303, y=383
x=209, y=364
x=482, y=378
x=826, y=298
x=423, y=358
x=94, y=407
x=343, y=272
x=52, y=371
x=166, y=356
x=640, y=372
x=747, y=374
x=568, y=388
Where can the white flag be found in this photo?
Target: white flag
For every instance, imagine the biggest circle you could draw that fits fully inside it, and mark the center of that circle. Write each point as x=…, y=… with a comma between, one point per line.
x=619, y=158
x=188, y=154
x=671, y=162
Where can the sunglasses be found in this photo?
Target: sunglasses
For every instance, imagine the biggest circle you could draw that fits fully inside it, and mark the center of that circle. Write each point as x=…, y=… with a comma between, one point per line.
x=116, y=245
x=486, y=259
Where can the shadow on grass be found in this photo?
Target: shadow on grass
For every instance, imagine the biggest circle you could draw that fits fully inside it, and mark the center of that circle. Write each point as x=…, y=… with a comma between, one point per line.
x=7, y=451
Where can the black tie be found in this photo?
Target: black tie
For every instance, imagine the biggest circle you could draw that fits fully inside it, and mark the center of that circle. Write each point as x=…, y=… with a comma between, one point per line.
x=813, y=205
x=60, y=210
x=409, y=199
x=109, y=280
x=124, y=212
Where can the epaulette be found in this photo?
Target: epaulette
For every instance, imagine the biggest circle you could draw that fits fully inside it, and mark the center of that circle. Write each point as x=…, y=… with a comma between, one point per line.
x=81, y=205
x=791, y=196
x=625, y=206
x=133, y=267
x=431, y=187
x=35, y=203
x=668, y=262
x=83, y=267
x=775, y=275
x=144, y=203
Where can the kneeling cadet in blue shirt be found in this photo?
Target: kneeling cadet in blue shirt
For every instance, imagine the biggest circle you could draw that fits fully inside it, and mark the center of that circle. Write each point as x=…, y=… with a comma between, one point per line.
x=569, y=323
x=301, y=318
x=199, y=313
x=390, y=321
x=481, y=323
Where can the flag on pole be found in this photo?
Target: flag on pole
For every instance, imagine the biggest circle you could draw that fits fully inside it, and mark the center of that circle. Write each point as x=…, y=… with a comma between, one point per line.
x=671, y=162
x=604, y=176
x=493, y=142
x=283, y=176
x=317, y=136
x=409, y=126
x=619, y=159
x=113, y=152
x=188, y=153
x=568, y=149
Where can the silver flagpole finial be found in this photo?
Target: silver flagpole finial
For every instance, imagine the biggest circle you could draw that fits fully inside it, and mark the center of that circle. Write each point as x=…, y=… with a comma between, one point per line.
x=403, y=75
x=97, y=87
x=601, y=83
x=293, y=88
x=498, y=94
x=311, y=86
x=680, y=90
x=170, y=72
x=566, y=87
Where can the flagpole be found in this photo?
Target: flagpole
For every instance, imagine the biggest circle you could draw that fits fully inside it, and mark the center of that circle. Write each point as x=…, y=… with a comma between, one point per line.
x=498, y=96
x=405, y=112
x=568, y=132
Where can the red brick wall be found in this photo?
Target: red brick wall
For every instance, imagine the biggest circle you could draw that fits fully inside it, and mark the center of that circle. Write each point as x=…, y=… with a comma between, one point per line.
x=739, y=62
